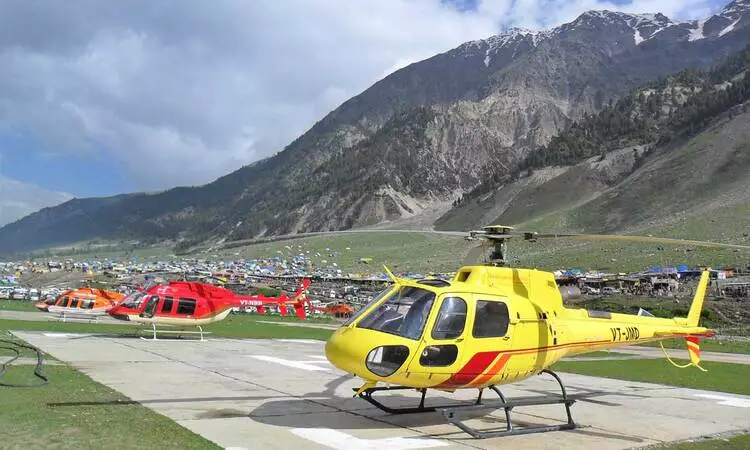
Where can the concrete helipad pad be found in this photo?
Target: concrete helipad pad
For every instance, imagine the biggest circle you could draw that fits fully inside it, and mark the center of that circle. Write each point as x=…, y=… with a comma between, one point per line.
x=271, y=394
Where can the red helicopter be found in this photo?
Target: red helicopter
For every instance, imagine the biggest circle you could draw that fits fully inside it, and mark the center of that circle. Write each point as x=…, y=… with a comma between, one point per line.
x=189, y=303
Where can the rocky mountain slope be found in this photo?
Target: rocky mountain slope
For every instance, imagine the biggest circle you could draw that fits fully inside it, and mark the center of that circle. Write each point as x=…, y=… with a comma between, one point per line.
x=423, y=135
x=672, y=149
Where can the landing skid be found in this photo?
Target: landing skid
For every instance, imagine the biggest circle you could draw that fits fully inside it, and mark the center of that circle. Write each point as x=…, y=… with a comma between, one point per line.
x=178, y=332
x=451, y=413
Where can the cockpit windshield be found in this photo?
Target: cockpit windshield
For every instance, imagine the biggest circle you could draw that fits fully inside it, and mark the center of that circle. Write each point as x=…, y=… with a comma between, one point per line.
x=134, y=300
x=375, y=300
x=403, y=314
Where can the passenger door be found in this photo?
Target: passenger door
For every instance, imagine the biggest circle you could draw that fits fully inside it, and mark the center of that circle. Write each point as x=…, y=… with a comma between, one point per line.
x=489, y=337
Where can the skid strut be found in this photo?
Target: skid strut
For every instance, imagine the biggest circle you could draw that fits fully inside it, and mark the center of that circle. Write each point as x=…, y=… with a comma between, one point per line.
x=452, y=412
x=367, y=395
x=179, y=333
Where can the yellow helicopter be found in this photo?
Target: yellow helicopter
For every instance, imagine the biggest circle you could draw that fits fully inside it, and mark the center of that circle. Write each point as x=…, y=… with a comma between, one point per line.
x=488, y=326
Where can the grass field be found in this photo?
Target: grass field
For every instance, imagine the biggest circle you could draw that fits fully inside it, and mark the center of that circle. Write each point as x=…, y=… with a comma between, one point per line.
x=322, y=319
x=740, y=442
x=602, y=354
x=421, y=252
x=30, y=418
x=239, y=326
x=722, y=377
x=74, y=412
x=413, y=251
x=726, y=224
x=707, y=345
x=401, y=251
x=17, y=305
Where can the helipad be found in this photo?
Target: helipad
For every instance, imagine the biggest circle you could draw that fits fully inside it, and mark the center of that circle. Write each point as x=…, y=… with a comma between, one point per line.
x=271, y=394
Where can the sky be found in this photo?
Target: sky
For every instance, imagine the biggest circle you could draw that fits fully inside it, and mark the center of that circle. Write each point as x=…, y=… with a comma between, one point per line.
x=99, y=98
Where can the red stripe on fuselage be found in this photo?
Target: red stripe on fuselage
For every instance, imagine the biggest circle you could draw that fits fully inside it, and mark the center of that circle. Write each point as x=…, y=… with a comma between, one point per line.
x=480, y=361
x=476, y=365
x=497, y=367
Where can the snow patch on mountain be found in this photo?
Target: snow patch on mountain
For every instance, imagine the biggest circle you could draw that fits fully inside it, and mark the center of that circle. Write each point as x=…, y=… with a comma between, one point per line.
x=644, y=26
x=512, y=35
x=730, y=27
x=735, y=9
x=638, y=38
x=697, y=32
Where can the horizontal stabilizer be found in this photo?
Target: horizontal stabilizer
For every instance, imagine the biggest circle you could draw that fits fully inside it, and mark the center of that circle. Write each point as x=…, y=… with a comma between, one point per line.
x=643, y=312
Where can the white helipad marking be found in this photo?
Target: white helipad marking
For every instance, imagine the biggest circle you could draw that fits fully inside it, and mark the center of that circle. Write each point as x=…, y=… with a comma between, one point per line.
x=65, y=334
x=727, y=400
x=342, y=441
x=304, y=365
x=301, y=341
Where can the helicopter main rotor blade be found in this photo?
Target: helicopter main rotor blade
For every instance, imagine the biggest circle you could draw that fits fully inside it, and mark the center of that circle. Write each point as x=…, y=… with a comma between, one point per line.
x=626, y=238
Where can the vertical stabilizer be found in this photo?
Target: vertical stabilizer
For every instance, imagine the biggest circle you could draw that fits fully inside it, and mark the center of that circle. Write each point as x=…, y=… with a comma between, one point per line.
x=694, y=314
x=693, y=345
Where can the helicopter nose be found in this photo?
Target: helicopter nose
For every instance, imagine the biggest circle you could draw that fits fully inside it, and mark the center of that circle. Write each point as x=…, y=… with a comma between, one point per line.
x=362, y=352
x=341, y=351
x=116, y=313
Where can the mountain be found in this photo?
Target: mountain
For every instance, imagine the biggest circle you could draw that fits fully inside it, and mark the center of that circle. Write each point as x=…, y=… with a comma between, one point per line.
x=18, y=199
x=671, y=151
x=415, y=140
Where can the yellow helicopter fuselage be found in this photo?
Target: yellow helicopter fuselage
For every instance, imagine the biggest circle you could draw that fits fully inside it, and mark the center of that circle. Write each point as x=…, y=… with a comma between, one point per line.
x=488, y=326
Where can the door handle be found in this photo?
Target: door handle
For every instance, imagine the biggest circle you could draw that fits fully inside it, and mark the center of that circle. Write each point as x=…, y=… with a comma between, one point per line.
x=505, y=338
x=460, y=340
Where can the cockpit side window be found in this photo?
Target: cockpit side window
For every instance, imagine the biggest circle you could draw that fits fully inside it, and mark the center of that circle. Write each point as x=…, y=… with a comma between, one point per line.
x=451, y=319
x=491, y=319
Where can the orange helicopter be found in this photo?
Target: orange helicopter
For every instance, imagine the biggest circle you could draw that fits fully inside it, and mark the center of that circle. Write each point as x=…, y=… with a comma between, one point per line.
x=491, y=325
x=84, y=300
x=339, y=310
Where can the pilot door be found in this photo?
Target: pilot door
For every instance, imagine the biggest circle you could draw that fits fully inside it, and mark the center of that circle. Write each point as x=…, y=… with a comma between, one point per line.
x=440, y=351
x=150, y=308
x=469, y=340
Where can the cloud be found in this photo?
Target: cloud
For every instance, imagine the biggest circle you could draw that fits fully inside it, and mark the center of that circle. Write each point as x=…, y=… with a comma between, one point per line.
x=179, y=93
x=18, y=199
